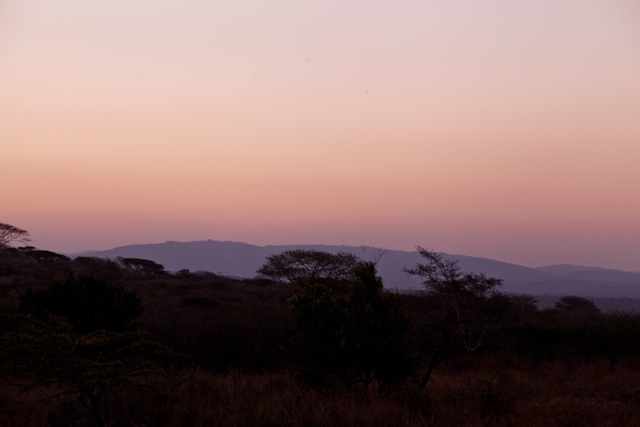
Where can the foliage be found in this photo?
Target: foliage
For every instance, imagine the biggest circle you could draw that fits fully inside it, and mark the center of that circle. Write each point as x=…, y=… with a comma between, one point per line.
x=217, y=321
x=373, y=332
x=10, y=234
x=458, y=310
x=14, y=263
x=357, y=336
x=106, y=270
x=616, y=337
x=578, y=309
x=317, y=316
x=297, y=267
x=87, y=303
x=44, y=257
x=498, y=357
x=568, y=303
x=142, y=266
x=48, y=354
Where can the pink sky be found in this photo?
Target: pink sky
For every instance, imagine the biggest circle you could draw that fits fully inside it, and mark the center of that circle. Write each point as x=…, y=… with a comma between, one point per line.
x=509, y=130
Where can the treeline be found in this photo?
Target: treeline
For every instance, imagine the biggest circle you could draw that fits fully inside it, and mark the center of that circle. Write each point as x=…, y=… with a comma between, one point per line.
x=123, y=342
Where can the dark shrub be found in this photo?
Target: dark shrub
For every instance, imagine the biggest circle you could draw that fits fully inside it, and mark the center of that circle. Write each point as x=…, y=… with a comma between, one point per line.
x=87, y=303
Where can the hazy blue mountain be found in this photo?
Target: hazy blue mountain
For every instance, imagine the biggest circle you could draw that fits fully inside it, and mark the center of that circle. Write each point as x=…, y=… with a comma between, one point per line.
x=607, y=305
x=501, y=270
x=602, y=275
x=242, y=260
x=589, y=273
x=583, y=288
x=560, y=269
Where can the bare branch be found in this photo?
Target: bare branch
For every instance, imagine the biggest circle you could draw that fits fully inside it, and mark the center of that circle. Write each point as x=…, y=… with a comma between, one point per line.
x=10, y=234
x=463, y=308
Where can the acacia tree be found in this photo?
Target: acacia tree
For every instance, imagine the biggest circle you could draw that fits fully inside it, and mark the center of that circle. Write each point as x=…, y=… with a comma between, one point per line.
x=458, y=310
x=293, y=268
x=10, y=234
x=578, y=308
x=142, y=266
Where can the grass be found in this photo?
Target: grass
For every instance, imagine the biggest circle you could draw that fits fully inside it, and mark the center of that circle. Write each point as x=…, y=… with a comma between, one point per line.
x=232, y=330
x=490, y=396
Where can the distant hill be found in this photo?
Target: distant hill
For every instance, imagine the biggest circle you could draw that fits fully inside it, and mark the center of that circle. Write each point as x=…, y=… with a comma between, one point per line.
x=242, y=260
x=606, y=305
x=580, y=271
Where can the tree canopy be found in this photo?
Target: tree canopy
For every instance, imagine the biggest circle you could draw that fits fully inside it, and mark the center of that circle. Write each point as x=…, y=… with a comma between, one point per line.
x=293, y=267
x=10, y=234
x=142, y=266
x=460, y=308
x=356, y=336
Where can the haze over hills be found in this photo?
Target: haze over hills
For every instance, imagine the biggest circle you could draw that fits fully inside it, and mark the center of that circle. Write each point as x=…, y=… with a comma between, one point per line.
x=242, y=260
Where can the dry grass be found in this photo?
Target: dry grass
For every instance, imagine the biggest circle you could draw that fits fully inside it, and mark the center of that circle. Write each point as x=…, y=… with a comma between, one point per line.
x=222, y=323
x=492, y=396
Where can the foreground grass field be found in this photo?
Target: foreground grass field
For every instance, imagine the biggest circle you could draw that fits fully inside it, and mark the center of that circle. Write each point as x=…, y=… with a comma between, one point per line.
x=548, y=395
x=228, y=343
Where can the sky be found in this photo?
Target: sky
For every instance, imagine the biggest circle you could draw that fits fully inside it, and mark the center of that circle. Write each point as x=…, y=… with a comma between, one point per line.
x=501, y=129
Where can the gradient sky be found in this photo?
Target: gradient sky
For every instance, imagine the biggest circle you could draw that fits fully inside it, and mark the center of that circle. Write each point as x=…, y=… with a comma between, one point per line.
x=504, y=129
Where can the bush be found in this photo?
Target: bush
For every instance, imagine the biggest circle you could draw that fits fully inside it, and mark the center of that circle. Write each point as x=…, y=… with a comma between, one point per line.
x=358, y=336
x=87, y=303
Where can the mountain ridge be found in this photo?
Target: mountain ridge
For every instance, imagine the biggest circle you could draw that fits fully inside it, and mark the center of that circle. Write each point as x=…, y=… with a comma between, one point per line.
x=240, y=259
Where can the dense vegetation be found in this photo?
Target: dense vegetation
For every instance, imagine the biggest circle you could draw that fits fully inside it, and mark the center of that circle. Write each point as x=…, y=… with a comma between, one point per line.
x=315, y=340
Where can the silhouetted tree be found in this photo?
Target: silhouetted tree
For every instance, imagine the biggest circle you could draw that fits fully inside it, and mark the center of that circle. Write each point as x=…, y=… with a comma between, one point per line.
x=102, y=269
x=578, y=308
x=45, y=257
x=294, y=268
x=317, y=316
x=357, y=335
x=372, y=334
x=10, y=234
x=142, y=266
x=458, y=310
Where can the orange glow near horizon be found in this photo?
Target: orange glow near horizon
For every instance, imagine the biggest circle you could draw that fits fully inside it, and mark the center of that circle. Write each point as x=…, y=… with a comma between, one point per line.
x=493, y=129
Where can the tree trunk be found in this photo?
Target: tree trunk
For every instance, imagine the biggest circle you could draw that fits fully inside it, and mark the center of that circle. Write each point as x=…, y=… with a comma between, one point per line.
x=425, y=379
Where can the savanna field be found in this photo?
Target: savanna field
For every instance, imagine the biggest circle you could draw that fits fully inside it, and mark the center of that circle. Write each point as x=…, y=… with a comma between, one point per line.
x=314, y=341
x=231, y=195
